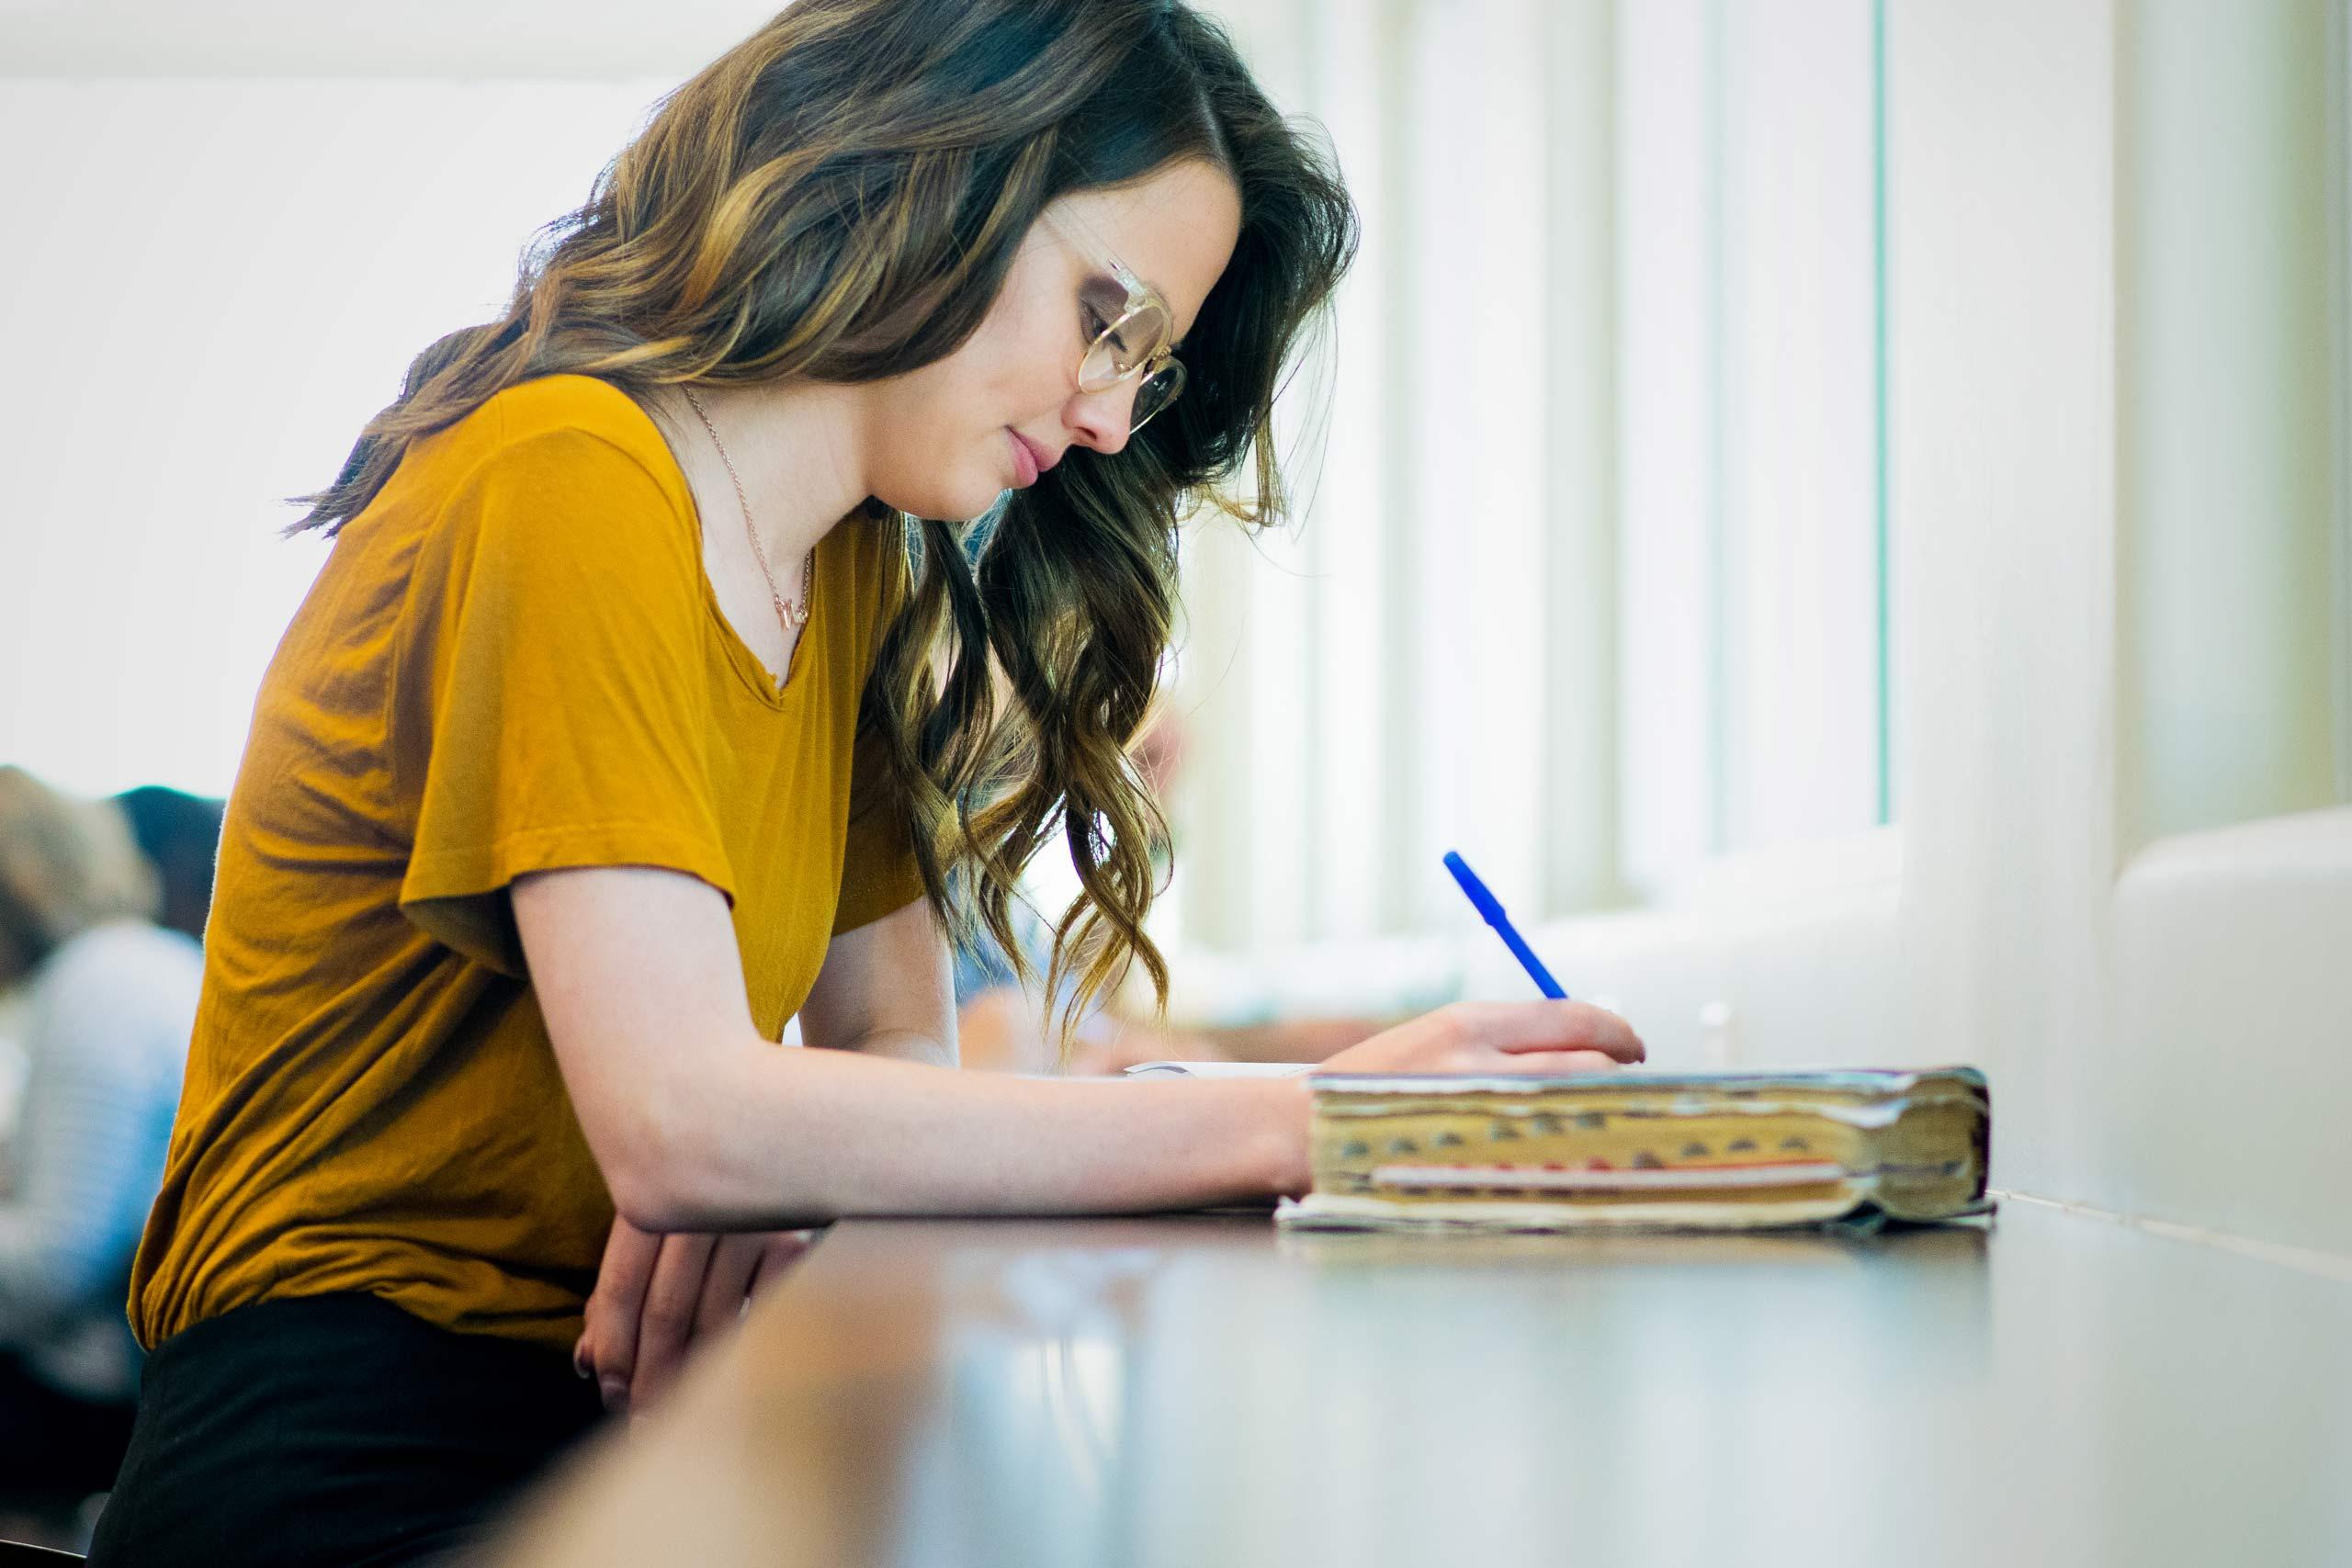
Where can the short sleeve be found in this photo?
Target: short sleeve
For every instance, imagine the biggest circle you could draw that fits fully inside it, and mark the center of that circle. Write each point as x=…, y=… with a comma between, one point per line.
x=550, y=698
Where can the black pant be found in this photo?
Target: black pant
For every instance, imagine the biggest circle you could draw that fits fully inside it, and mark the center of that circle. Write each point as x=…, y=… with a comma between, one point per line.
x=333, y=1429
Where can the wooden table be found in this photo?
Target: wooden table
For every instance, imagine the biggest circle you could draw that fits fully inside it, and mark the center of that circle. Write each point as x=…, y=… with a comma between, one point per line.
x=1205, y=1392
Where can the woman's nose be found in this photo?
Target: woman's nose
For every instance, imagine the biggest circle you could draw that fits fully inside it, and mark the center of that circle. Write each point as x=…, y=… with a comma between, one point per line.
x=1100, y=419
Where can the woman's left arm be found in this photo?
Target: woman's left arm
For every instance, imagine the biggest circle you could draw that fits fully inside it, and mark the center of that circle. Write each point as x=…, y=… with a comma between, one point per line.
x=887, y=989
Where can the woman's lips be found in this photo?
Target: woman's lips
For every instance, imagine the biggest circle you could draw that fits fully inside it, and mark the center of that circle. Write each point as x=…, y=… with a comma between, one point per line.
x=1028, y=459
x=1026, y=464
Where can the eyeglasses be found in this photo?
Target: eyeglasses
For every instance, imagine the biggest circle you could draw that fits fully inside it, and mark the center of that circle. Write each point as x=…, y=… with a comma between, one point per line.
x=1130, y=330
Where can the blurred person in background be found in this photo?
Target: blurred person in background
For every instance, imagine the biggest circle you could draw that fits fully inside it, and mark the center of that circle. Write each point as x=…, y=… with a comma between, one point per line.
x=107, y=998
x=645, y=702
x=180, y=835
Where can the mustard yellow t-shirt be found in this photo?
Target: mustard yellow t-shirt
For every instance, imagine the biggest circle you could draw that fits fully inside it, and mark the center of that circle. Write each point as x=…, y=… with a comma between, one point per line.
x=511, y=661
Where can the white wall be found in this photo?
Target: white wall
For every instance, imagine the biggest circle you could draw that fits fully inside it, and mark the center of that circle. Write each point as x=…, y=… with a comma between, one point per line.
x=210, y=285
x=616, y=40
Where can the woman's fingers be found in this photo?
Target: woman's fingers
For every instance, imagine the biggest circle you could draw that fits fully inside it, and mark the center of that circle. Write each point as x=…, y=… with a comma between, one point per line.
x=1494, y=1037
x=1518, y=1027
x=609, y=1346
x=657, y=1294
x=778, y=1252
x=1551, y=1064
x=667, y=1322
x=728, y=1282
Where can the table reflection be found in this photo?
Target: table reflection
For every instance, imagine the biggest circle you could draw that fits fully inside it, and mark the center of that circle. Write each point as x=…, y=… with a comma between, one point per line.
x=1207, y=1390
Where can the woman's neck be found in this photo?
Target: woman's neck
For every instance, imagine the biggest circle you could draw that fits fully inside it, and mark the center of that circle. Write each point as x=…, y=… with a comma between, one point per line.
x=796, y=448
x=796, y=451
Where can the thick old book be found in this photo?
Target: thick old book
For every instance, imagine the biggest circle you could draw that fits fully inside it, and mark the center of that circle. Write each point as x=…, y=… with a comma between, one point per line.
x=1631, y=1150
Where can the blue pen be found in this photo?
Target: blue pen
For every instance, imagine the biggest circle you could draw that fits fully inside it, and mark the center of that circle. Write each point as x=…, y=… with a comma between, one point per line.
x=1491, y=908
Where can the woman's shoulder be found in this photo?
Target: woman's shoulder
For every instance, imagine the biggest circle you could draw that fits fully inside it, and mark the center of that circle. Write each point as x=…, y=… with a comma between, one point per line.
x=557, y=464
x=575, y=416
x=577, y=402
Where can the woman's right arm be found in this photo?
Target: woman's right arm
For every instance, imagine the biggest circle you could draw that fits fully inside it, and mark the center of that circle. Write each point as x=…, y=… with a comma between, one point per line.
x=701, y=1124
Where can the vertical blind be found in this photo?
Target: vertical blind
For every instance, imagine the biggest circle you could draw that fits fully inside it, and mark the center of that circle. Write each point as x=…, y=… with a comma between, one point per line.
x=1592, y=582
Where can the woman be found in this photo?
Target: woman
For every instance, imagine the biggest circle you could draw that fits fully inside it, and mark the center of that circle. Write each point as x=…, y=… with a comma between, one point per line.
x=107, y=998
x=623, y=724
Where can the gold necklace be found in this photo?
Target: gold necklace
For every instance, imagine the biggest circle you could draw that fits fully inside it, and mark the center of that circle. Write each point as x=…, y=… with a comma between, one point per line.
x=792, y=617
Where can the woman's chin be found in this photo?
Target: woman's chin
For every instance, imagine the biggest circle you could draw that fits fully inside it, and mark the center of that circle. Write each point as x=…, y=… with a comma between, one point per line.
x=960, y=503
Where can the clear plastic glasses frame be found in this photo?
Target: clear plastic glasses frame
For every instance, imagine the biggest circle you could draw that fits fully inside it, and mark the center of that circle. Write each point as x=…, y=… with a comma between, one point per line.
x=1136, y=339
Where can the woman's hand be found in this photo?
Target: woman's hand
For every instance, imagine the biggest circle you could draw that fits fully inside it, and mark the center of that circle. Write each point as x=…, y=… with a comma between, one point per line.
x=1496, y=1037
x=657, y=1294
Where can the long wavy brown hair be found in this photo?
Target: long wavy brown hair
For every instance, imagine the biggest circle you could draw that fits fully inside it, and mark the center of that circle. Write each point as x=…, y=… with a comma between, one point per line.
x=840, y=196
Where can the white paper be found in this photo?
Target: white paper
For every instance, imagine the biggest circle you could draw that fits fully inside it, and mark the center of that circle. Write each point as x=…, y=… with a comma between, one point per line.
x=1218, y=1069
